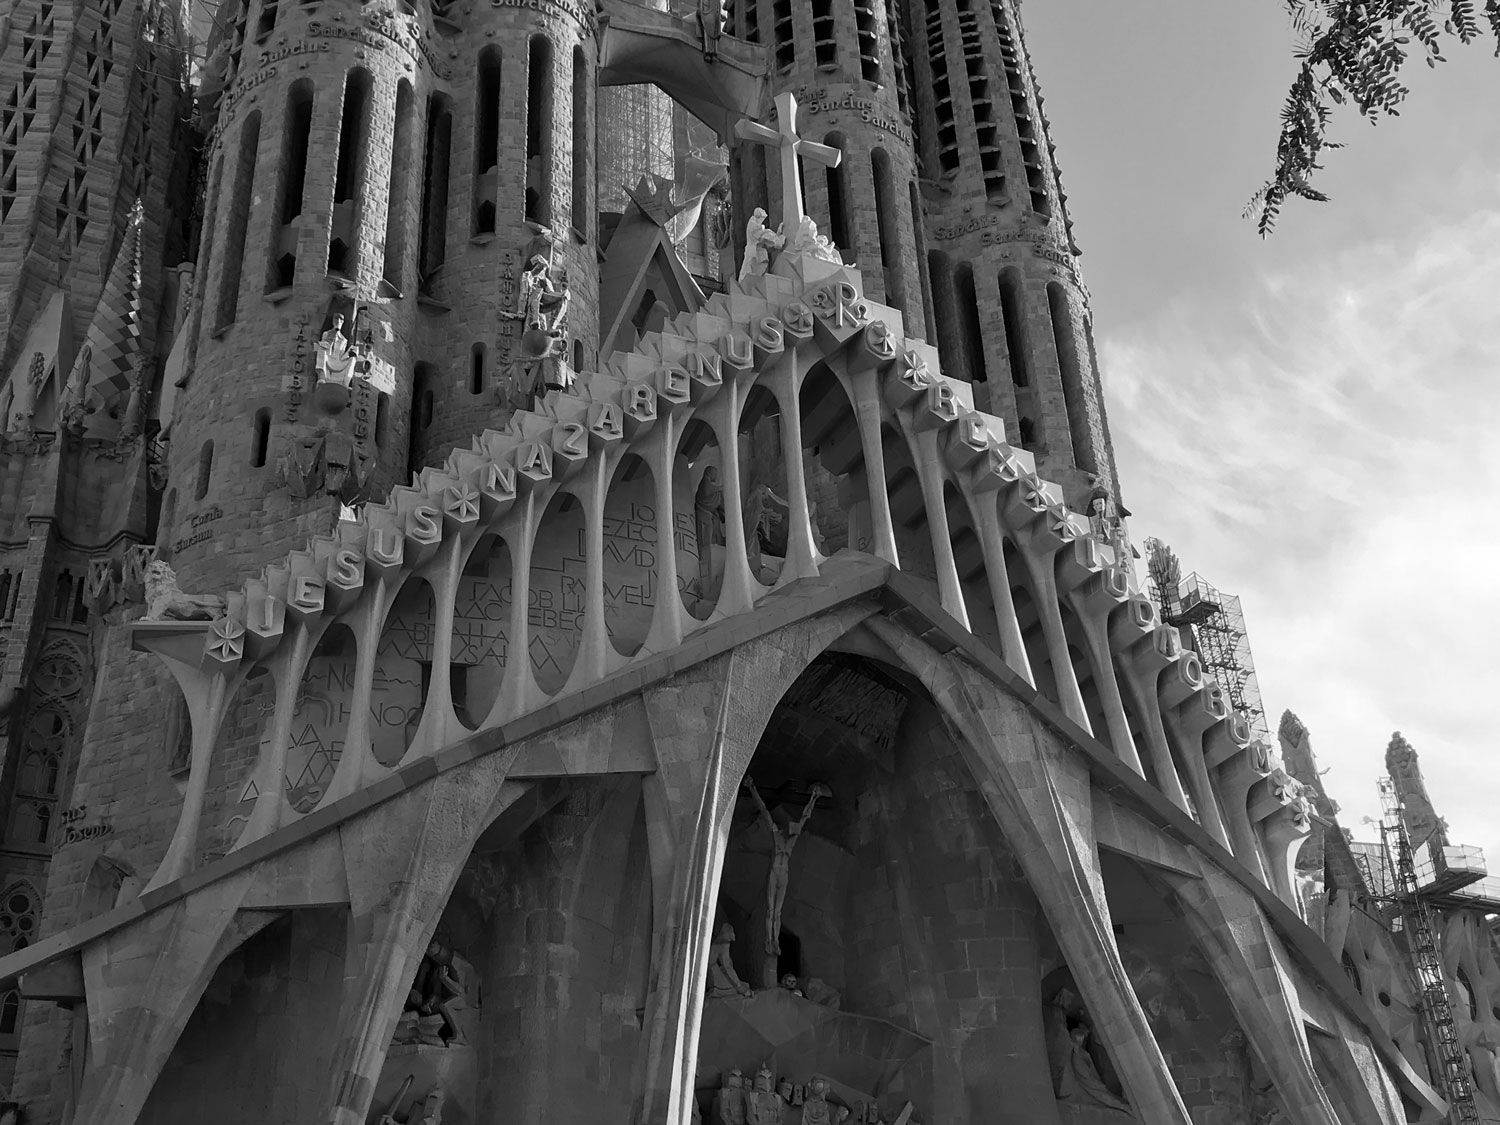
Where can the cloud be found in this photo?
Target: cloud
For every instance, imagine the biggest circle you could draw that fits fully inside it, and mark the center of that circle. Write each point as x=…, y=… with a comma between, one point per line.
x=1319, y=438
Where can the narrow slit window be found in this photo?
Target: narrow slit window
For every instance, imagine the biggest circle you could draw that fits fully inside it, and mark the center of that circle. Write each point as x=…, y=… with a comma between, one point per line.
x=969, y=317
x=205, y=469
x=539, y=132
x=433, y=247
x=1074, y=397
x=399, y=200
x=487, y=142
x=476, y=370
x=260, y=439
x=1015, y=329
x=582, y=201
x=825, y=39
x=924, y=276
x=840, y=228
x=343, y=242
x=868, y=31
x=237, y=223
x=891, y=261
x=292, y=179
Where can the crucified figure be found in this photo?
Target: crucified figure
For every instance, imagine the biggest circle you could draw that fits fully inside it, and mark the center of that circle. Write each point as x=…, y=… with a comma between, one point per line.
x=782, y=843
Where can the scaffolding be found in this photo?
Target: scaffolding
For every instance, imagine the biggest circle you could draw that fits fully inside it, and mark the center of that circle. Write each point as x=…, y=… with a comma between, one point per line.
x=1213, y=624
x=1396, y=886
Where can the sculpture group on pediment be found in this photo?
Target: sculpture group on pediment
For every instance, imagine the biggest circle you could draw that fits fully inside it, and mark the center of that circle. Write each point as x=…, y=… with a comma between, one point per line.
x=767, y=1100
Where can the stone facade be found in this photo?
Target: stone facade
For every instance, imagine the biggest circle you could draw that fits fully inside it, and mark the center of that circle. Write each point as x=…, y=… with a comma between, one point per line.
x=742, y=726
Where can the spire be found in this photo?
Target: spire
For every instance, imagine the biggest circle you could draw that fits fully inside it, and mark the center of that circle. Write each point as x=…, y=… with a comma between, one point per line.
x=1422, y=820
x=109, y=357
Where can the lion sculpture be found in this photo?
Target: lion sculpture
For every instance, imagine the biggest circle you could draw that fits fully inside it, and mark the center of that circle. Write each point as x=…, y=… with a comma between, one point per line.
x=165, y=602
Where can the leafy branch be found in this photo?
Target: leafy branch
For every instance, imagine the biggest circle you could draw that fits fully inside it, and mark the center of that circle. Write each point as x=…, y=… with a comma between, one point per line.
x=1352, y=53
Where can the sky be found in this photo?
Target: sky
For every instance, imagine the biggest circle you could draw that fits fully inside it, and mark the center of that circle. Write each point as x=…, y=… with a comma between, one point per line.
x=1309, y=421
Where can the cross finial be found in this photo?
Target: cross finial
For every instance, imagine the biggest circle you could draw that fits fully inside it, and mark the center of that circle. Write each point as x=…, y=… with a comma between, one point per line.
x=784, y=138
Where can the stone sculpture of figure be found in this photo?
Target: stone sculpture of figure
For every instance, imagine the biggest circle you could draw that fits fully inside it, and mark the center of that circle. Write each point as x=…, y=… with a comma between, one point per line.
x=708, y=506
x=816, y=1109
x=543, y=297
x=763, y=1104
x=758, y=522
x=711, y=21
x=760, y=240
x=336, y=355
x=437, y=991
x=166, y=602
x=786, y=1092
x=782, y=844
x=1080, y=1077
x=729, y=1104
x=722, y=979
x=806, y=240
x=1074, y=1072
x=789, y=982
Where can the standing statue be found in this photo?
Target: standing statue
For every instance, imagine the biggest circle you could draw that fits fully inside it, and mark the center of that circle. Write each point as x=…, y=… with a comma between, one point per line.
x=722, y=979
x=758, y=522
x=729, y=1104
x=711, y=22
x=708, y=508
x=816, y=1109
x=760, y=240
x=336, y=355
x=763, y=1104
x=782, y=844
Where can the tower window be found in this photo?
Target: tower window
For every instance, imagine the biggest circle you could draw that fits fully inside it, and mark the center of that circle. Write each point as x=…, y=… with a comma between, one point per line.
x=292, y=172
x=398, y=201
x=433, y=246
x=260, y=438
x=840, y=229
x=476, y=369
x=1075, y=398
x=869, y=40
x=205, y=468
x=825, y=39
x=237, y=222
x=885, y=219
x=343, y=242
x=970, y=318
x=582, y=203
x=1015, y=329
x=922, y=275
x=487, y=142
x=783, y=33
x=539, y=132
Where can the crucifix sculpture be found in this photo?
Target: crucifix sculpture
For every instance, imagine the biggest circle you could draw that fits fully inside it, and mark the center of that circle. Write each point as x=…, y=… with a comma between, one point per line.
x=784, y=139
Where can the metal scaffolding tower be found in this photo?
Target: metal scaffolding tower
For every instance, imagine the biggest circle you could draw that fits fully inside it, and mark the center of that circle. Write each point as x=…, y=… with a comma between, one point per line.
x=1396, y=886
x=1214, y=625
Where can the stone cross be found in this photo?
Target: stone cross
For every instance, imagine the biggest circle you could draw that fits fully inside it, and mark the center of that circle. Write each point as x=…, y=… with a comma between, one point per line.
x=784, y=138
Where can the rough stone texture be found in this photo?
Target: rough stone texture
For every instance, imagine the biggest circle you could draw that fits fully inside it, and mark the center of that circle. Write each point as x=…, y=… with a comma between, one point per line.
x=531, y=745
